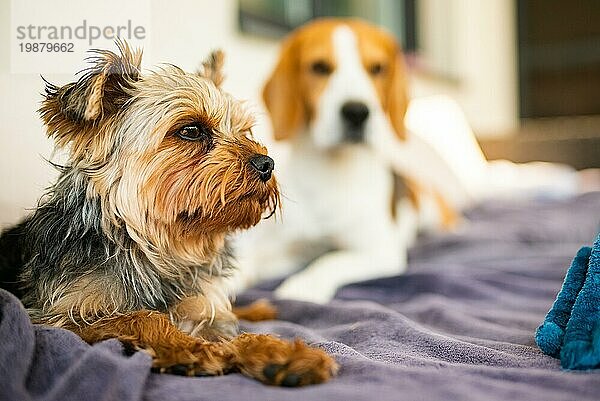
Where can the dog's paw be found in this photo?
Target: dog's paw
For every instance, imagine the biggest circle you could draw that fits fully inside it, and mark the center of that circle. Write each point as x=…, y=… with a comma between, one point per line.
x=257, y=311
x=549, y=337
x=301, y=289
x=282, y=363
x=199, y=358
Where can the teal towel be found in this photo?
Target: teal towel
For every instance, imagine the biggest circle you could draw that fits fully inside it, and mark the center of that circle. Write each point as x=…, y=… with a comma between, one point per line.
x=571, y=330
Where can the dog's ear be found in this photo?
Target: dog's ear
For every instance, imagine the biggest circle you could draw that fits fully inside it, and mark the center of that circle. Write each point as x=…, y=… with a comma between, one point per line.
x=281, y=93
x=76, y=108
x=397, y=99
x=212, y=67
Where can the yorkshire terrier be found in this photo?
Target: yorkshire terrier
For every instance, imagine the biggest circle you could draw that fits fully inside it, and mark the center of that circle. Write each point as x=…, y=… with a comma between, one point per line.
x=131, y=241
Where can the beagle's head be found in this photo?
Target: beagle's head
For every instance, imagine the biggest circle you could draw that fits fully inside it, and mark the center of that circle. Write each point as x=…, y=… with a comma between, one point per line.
x=339, y=81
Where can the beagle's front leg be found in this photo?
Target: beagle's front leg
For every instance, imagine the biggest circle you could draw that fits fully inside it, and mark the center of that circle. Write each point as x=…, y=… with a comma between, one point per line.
x=322, y=278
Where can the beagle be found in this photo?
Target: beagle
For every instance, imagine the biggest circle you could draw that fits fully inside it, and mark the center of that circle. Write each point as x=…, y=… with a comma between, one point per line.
x=337, y=86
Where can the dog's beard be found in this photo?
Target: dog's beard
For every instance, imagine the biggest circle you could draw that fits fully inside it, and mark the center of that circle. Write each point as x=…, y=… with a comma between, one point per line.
x=242, y=211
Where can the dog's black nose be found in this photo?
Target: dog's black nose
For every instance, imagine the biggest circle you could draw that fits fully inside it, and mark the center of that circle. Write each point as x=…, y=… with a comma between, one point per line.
x=355, y=113
x=264, y=165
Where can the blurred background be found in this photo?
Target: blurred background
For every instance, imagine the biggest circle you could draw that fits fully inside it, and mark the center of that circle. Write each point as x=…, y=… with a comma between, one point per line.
x=526, y=73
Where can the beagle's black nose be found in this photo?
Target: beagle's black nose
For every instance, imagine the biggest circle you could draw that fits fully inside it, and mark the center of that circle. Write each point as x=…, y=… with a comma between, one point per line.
x=264, y=165
x=354, y=113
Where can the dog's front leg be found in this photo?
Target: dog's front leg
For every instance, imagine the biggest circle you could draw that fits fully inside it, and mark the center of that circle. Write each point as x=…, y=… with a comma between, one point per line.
x=321, y=279
x=259, y=356
x=172, y=350
x=217, y=320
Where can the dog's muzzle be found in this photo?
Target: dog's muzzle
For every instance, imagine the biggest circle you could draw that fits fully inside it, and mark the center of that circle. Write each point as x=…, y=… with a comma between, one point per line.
x=354, y=114
x=263, y=165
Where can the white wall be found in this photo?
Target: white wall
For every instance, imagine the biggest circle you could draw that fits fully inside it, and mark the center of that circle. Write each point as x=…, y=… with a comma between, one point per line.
x=23, y=173
x=475, y=42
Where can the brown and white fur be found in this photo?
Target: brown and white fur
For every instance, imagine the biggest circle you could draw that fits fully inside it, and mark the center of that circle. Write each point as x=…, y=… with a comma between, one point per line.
x=344, y=206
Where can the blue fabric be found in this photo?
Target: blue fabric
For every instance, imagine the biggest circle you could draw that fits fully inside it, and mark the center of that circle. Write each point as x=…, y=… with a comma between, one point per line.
x=571, y=329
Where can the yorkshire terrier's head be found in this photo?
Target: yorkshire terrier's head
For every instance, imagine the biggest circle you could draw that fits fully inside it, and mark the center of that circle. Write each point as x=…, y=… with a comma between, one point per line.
x=168, y=155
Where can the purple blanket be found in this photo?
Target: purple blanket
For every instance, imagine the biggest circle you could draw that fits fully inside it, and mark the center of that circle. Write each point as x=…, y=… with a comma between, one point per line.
x=459, y=325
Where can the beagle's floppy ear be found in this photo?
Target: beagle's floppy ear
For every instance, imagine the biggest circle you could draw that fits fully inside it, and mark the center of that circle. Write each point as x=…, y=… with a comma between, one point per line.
x=212, y=67
x=281, y=94
x=398, y=95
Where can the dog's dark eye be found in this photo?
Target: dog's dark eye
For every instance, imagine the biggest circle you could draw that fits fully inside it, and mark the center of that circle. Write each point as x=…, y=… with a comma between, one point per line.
x=376, y=69
x=321, y=68
x=194, y=133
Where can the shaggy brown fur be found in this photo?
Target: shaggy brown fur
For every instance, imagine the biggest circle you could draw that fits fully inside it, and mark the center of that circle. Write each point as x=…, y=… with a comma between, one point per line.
x=256, y=311
x=131, y=242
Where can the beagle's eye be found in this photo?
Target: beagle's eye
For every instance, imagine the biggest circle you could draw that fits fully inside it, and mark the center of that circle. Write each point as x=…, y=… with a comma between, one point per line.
x=376, y=69
x=194, y=132
x=321, y=68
